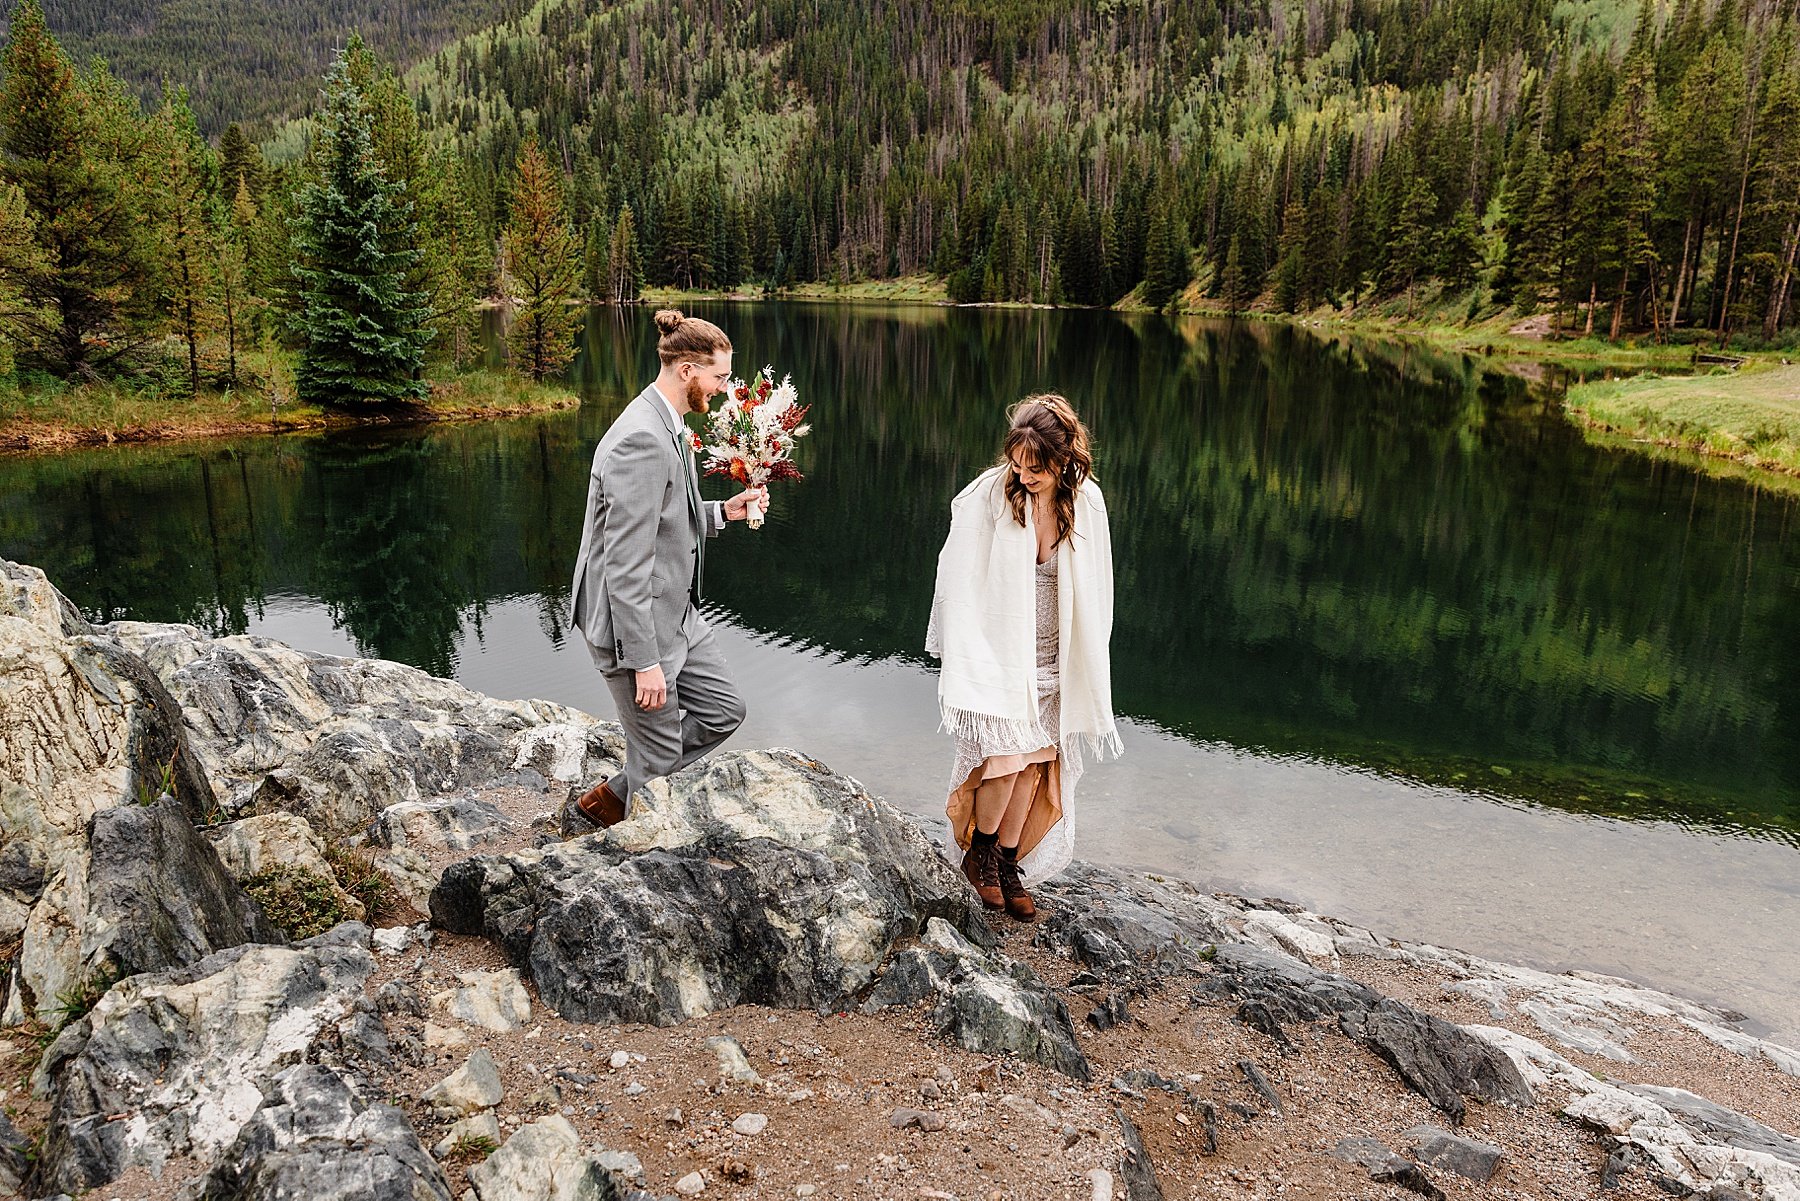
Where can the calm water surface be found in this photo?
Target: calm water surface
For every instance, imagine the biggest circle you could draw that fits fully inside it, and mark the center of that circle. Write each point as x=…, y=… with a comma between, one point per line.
x=1391, y=639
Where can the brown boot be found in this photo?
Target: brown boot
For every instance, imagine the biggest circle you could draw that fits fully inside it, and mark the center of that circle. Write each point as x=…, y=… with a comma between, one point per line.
x=601, y=805
x=981, y=867
x=1012, y=888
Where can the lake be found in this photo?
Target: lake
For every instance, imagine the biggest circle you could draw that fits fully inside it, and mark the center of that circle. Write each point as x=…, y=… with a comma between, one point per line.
x=1392, y=639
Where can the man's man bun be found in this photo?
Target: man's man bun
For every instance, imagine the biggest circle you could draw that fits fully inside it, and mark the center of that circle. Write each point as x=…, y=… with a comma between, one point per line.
x=668, y=320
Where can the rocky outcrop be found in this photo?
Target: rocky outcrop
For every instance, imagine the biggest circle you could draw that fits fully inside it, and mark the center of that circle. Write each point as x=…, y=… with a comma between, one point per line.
x=546, y=1161
x=759, y=877
x=1439, y=1060
x=984, y=1002
x=159, y=895
x=1697, y=1144
x=88, y=734
x=173, y=1064
x=315, y=1136
x=1131, y=925
x=338, y=741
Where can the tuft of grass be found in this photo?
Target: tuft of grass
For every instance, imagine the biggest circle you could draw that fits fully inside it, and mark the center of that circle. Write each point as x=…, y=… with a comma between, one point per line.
x=302, y=903
x=470, y=1149
x=76, y=1001
x=358, y=876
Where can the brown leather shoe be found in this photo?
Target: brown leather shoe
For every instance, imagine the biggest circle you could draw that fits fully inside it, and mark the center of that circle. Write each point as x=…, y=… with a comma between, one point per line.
x=601, y=805
x=981, y=867
x=1012, y=888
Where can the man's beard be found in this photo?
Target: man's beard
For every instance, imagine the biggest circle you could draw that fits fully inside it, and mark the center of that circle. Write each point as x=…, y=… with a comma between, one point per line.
x=696, y=397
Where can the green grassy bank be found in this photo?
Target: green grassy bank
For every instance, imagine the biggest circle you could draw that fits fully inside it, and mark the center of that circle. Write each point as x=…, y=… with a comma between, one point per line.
x=38, y=413
x=1750, y=416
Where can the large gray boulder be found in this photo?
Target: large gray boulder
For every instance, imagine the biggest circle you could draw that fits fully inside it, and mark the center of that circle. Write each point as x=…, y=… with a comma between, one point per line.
x=189, y=1055
x=755, y=878
x=338, y=740
x=314, y=1137
x=88, y=734
x=158, y=894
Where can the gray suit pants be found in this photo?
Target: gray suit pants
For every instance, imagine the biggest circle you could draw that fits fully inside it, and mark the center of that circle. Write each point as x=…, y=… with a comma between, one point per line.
x=702, y=711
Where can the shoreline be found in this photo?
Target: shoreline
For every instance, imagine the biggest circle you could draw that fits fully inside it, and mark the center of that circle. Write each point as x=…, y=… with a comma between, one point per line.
x=1710, y=447
x=1749, y=417
x=451, y=400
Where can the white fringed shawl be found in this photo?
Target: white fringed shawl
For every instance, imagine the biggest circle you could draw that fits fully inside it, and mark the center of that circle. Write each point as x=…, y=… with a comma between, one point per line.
x=984, y=629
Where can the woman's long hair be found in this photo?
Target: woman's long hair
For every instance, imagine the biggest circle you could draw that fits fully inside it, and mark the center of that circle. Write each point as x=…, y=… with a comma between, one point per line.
x=1045, y=432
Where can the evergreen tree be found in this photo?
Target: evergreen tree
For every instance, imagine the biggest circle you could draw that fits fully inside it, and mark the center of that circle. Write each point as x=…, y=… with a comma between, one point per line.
x=1414, y=245
x=185, y=234
x=1233, y=289
x=543, y=269
x=237, y=305
x=624, y=269
x=1166, y=270
x=364, y=331
x=1290, y=263
x=1460, y=253
x=75, y=150
x=21, y=256
x=240, y=160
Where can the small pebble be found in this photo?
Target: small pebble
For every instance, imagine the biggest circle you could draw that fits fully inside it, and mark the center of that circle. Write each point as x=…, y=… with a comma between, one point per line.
x=691, y=1185
x=750, y=1123
x=634, y=1089
x=619, y=1060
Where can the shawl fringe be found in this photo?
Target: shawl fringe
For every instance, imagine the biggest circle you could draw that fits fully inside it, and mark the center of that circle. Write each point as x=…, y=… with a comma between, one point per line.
x=984, y=729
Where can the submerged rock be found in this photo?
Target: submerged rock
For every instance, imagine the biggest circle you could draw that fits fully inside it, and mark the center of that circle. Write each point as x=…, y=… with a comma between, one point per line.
x=315, y=1137
x=189, y=1055
x=758, y=878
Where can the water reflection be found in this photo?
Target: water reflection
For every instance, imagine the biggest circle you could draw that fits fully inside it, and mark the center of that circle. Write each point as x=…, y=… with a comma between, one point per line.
x=1364, y=553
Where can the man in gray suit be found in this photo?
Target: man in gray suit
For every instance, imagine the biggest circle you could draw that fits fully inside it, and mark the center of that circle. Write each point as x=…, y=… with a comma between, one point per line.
x=639, y=573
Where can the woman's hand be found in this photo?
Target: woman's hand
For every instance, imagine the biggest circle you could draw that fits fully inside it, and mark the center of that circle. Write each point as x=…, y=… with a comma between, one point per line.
x=738, y=506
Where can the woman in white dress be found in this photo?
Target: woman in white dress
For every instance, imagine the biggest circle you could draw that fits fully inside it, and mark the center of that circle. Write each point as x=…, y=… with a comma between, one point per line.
x=1021, y=620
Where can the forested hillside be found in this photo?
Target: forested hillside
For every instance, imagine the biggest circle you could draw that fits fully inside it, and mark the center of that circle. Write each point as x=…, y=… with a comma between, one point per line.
x=1627, y=171
x=1624, y=169
x=252, y=60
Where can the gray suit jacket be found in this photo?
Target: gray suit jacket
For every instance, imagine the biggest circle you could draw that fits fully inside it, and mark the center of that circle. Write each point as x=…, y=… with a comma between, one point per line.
x=641, y=539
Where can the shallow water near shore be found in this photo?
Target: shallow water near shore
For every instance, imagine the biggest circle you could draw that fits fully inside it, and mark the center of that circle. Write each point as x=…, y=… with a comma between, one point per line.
x=1393, y=641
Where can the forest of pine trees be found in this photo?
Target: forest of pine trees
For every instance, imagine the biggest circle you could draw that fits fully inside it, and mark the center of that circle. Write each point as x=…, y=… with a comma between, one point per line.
x=1619, y=170
x=128, y=242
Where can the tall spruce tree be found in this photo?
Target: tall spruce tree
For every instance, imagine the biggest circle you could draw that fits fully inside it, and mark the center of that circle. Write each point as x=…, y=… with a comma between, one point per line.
x=624, y=266
x=20, y=255
x=542, y=258
x=75, y=149
x=364, y=331
x=237, y=304
x=185, y=231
